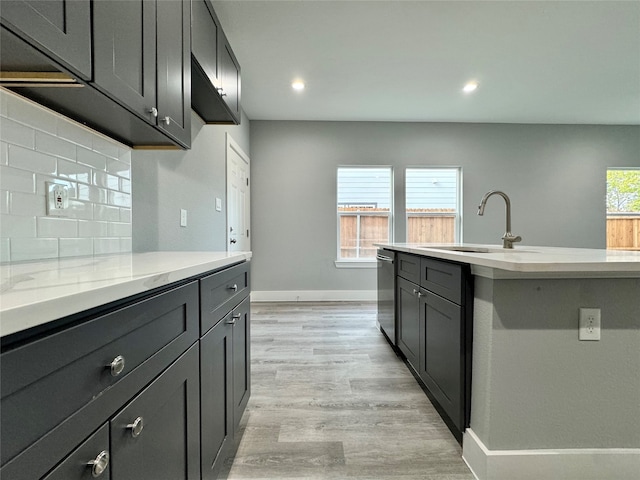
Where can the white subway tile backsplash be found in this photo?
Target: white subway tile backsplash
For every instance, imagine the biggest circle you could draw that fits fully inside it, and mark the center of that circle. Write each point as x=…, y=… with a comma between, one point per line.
x=31, y=114
x=50, y=144
x=106, y=213
x=4, y=203
x=119, y=168
x=92, y=194
x=74, y=171
x=4, y=153
x=92, y=229
x=4, y=250
x=30, y=160
x=15, y=133
x=26, y=204
x=76, y=247
x=56, y=227
x=32, y=248
x=39, y=146
x=120, y=199
x=17, y=180
x=106, y=245
x=119, y=229
x=91, y=158
x=125, y=215
x=16, y=226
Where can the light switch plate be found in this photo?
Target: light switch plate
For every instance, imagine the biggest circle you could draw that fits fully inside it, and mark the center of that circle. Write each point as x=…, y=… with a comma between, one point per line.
x=183, y=217
x=218, y=204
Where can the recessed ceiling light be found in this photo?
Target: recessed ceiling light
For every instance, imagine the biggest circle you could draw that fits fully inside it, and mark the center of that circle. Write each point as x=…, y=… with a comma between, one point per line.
x=298, y=85
x=470, y=87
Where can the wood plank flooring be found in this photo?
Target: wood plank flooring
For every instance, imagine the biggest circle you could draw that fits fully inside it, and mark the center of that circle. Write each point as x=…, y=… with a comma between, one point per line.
x=331, y=400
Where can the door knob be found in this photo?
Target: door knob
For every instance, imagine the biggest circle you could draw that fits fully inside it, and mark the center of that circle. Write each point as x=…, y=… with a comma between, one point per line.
x=233, y=240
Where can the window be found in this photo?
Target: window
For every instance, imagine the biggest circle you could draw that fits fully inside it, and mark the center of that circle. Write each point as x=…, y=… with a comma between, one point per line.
x=623, y=209
x=364, y=211
x=433, y=205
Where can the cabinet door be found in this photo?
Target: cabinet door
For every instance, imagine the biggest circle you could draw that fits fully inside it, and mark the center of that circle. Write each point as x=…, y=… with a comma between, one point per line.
x=89, y=460
x=60, y=28
x=230, y=85
x=408, y=320
x=441, y=365
x=174, y=69
x=205, y=33
x=157, y=435
x=216, y=397
x=125, y=53
x=241, y=359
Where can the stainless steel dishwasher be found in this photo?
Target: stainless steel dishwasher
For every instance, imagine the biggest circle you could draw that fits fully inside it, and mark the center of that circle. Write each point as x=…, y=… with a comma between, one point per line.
x=386, y=318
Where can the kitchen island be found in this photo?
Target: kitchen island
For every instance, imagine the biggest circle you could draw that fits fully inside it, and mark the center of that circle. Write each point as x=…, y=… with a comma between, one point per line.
x=545, y=405
x=124, y=366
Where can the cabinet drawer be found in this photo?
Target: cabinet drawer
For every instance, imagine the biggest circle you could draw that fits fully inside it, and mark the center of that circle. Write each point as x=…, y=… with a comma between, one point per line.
x=76, y=466
x=47, y=380
x=442, y=278
x=408, y=267
x=220, y=292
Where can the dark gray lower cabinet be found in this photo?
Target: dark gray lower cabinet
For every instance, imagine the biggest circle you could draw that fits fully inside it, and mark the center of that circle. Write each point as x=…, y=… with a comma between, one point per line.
x=216, y=400
x=225, y=386
x=408, y=321
x=129, y=390
x=157, y=435
x=435, y=329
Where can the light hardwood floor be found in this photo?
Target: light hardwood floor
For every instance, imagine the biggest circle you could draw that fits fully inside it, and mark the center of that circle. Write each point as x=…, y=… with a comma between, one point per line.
x=331, y=400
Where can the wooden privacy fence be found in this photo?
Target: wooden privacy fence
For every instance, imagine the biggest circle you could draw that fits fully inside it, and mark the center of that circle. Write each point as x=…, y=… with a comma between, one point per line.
x=623, y=232
x=360, y=230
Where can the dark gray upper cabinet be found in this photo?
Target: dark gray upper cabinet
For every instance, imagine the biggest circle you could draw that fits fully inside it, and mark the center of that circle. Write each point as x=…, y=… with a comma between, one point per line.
x=142, y=60
x=59, y=28
x=136, y=87
x=215, y=79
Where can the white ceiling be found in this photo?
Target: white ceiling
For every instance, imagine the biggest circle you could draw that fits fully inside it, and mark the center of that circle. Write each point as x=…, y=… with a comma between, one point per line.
x=399, y=60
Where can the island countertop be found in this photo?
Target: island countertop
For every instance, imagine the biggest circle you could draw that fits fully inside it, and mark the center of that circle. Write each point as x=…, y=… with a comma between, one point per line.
x=34, y=293
x=498, y=262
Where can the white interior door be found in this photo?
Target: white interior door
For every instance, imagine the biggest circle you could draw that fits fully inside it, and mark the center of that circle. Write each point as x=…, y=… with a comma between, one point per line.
x=237, y=198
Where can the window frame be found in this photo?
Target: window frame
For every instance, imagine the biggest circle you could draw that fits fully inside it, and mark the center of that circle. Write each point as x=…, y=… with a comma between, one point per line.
x=360, y=262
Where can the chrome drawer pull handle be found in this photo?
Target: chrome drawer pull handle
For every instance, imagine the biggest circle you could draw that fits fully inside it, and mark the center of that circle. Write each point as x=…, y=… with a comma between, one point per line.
x=234, y=287
x=136, y=427
x=415, y=292
x=100, y=464
x=117, y=366
x=419, y=294
x=233, y=320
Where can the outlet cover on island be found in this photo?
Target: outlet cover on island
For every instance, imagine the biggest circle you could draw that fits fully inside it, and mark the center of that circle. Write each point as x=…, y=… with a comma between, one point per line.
x=218, y=204
x=589, y=324
x=183, y=217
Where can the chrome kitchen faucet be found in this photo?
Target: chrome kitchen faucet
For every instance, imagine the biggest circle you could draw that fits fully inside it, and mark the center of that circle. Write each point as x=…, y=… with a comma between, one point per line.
x=508, y=239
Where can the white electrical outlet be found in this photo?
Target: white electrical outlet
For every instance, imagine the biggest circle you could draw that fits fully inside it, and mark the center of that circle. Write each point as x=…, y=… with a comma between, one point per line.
x=589, y=324
x=183, y=217
x=57, y=199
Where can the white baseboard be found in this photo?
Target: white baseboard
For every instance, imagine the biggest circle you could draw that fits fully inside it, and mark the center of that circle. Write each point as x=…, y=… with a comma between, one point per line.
x=556, y=464
x=313, y=295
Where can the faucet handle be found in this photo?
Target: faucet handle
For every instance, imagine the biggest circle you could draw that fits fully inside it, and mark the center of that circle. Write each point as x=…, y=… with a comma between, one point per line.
x=508, y=240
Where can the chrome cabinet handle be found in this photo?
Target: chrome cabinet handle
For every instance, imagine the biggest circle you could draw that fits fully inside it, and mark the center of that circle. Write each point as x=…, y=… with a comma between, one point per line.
x=234, y=319
x=415, y=292
x=153, y=111
x=136, y=427
x=221, y=91
x=116, y=366
x=166, y=120
x=419, y=294
x=100, y=464
x=234, y=287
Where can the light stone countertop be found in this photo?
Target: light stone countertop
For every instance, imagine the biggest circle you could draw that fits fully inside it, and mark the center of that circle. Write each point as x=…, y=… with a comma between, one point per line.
x=34, y=293
x=532, y=262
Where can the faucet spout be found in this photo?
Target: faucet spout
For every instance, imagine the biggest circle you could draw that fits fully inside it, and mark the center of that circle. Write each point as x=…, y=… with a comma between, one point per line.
x=508, y=239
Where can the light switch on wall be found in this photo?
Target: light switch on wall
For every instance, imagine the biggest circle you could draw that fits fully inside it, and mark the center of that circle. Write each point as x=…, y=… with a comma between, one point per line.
x=218, y=204
x=183, y=217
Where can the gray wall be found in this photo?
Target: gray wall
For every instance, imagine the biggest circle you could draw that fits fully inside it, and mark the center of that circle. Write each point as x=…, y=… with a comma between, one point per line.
x=535, y=385
x=165, y=181
x=554, y=174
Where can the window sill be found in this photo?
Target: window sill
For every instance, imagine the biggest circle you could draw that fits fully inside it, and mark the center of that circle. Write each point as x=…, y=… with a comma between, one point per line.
x=368, y=263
